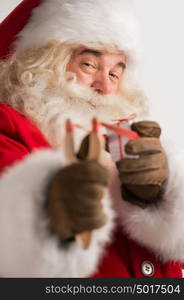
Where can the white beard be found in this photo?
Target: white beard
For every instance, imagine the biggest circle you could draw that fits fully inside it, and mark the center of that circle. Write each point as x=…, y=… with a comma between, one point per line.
x=49, y=107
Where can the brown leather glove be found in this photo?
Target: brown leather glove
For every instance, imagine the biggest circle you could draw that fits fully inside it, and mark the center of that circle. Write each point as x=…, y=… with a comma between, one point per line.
x=74, y=198
x=143, y=178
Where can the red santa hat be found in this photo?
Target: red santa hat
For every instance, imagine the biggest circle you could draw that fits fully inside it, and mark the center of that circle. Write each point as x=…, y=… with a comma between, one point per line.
x=36, y=22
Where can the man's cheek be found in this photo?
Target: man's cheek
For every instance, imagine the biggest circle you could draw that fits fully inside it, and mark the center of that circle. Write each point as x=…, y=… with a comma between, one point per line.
x=84, y=79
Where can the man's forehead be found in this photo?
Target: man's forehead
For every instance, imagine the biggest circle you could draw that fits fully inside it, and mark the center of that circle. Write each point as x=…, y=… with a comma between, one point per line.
x=99, y=53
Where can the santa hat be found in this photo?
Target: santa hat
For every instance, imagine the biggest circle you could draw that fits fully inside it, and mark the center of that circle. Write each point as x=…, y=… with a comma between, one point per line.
x=36, y=22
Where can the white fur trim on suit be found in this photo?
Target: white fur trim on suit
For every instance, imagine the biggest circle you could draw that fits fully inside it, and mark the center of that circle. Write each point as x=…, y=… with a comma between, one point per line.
x=28, y=249
x=160, y=227
x=83, y=22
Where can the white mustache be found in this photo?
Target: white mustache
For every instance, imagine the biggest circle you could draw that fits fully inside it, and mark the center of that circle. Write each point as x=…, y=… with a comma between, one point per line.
x=49, y=105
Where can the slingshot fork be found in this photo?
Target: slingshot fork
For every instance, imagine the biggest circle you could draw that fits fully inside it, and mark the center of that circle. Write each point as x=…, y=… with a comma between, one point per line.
x=94, y=152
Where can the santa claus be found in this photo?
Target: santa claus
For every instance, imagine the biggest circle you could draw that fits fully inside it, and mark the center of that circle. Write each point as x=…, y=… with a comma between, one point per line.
x=70, y=59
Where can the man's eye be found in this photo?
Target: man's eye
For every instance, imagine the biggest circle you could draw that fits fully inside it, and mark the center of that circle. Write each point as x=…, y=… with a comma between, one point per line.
x=88, y=65
x=114, y=75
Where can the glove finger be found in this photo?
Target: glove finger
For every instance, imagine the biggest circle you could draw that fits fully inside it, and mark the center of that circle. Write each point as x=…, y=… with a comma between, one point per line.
x=154, y=177
x=66, y=219
x=148, y=191
x=85, y=171
x=85, y=198
x=147, y=128
x=88, y=217
x=86, y=211
x=143, y=146
x=143, y=163
x=86, y=223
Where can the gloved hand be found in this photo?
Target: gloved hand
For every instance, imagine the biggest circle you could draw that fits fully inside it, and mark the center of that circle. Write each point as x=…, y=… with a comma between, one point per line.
x=143, y=178
x=74, y=198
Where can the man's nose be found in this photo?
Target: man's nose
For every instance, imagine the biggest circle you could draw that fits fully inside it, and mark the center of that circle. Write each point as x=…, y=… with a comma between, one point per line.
x=102, y=84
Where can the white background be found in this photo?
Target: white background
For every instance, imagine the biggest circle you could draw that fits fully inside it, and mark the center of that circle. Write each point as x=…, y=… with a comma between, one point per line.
x=162, y=70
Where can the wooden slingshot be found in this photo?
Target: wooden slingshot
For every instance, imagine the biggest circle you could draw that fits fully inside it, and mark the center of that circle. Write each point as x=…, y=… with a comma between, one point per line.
x=94, y=152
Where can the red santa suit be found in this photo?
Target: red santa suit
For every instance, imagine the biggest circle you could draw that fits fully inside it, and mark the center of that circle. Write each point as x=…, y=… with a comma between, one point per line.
x=135, y=242
x=22, y=142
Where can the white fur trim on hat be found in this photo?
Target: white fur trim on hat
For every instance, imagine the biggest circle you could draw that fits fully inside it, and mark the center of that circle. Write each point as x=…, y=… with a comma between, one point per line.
x=83, y=22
